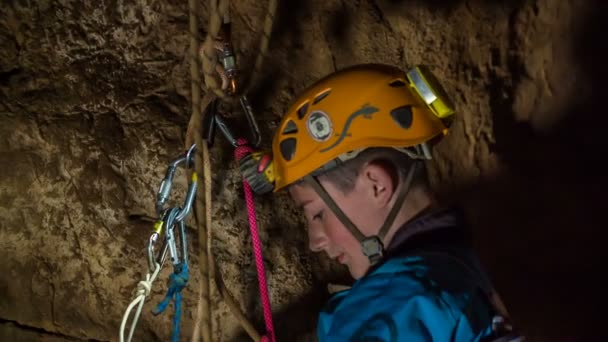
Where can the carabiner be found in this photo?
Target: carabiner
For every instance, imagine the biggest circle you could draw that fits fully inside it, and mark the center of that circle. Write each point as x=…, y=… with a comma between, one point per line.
x=213, y=117
x=187, y=207
x=170, y=237
x=219, y=120
x=181, y=255
x=256, y=137
x=190, y=156
x=154, y=238
x=183, y=241
x=164, y=190
x=152, y=260
x=227, y=57
x=209, y=123
x=189, y=199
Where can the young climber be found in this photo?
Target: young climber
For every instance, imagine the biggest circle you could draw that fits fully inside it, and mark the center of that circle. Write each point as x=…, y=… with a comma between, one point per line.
x=350, y=151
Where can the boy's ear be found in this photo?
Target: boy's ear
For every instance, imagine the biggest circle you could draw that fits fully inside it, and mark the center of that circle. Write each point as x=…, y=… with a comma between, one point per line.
x=379, y=183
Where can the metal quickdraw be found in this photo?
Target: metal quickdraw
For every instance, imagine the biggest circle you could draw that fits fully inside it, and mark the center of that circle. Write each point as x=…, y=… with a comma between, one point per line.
x=164, y=233
x=213, y=119
x=227, y=58
x=168, y=215
x=256, y=167
x=170, y=219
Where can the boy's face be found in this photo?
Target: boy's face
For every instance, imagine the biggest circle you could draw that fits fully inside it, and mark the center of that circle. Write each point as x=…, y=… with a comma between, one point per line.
x=326, y=233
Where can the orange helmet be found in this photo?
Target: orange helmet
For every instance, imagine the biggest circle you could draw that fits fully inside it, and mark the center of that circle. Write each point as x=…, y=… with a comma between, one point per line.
x=362, y=106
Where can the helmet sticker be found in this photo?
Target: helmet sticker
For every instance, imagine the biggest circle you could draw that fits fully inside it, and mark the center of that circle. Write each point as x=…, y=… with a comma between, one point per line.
x=366, y=111
x=319, y=126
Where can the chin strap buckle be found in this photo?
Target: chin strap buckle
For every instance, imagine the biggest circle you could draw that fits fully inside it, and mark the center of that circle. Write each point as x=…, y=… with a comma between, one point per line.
x=373, y=249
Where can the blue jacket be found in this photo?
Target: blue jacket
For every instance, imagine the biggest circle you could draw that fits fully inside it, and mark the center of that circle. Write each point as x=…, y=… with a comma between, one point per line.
x=426, y=289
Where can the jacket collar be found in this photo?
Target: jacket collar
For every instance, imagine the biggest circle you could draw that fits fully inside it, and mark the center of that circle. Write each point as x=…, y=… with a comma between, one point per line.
x=431, y=228
x=432, y=223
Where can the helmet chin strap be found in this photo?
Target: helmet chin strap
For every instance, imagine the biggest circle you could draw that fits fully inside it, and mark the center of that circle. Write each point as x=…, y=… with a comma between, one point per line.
x=372, y=246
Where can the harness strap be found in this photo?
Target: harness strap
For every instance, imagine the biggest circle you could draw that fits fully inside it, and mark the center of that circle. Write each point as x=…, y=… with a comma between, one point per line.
x=399, y=201
x=314, y=182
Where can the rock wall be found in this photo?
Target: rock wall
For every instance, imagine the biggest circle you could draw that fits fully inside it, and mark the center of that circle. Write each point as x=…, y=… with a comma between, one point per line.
x=94, y=102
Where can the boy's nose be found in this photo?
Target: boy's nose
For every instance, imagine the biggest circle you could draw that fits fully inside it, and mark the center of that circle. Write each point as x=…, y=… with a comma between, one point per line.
x=317, y=240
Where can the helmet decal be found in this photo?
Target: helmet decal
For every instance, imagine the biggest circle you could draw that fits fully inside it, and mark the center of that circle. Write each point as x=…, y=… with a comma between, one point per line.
x=319, y=126
x=365, y=111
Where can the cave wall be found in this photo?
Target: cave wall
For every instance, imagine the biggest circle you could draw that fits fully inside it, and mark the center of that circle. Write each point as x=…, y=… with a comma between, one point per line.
x=94, y=102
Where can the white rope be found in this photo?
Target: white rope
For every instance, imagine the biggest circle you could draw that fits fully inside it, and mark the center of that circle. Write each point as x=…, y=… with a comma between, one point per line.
x=143, y=290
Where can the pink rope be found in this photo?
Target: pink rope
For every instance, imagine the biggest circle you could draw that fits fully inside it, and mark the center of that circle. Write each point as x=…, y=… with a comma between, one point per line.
x=242, y=150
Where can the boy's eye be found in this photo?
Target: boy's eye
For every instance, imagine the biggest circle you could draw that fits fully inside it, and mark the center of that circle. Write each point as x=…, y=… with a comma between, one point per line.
x=318, y=216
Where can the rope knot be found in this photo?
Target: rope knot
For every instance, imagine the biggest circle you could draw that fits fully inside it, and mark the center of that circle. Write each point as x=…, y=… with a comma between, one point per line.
x=177, y=282
x=144, y=287
x=179, y=279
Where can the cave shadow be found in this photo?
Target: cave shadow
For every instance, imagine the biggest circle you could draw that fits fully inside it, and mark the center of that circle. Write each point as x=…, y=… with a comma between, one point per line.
x=296, y=321
x=285, y=29
x=339, y=20
x=449, y=5
x=538, y=224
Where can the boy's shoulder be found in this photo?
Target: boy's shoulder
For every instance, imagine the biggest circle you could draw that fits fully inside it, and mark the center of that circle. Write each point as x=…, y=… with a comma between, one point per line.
x=399, y=299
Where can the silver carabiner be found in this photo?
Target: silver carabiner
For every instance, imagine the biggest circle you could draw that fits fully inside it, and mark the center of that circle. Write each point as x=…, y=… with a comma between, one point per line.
x=189, y=199
x=154, y=238
x=164, y=190
x=172, y=245
x=183, y=241
x=254, y=130
x=181, y=255
x=253, y=126
x=223, y=126
x=190, y=195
